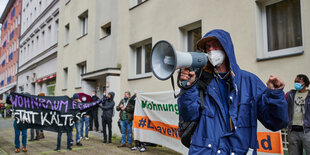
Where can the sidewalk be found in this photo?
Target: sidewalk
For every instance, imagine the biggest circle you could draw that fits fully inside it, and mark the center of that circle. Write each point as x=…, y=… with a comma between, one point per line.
x=46, y=146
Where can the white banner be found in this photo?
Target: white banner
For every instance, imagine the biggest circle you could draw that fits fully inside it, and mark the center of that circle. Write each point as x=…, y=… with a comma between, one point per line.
x=156, y=120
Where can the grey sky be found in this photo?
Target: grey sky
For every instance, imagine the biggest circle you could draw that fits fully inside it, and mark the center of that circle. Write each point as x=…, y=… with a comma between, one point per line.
x=3, y=5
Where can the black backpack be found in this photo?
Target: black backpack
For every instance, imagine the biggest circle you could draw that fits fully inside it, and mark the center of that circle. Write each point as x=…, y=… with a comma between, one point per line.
x=187, y=129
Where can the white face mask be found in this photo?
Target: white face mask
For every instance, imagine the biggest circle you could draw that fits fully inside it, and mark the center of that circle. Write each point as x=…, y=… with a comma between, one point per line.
x=216, y=57
x=84, y=99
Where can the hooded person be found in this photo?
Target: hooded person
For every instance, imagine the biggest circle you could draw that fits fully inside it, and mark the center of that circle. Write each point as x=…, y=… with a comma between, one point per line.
x=106, y=115
x=233, y=101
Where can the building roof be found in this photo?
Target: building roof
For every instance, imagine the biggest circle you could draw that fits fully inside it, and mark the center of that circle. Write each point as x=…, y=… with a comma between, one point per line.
x=6, y=10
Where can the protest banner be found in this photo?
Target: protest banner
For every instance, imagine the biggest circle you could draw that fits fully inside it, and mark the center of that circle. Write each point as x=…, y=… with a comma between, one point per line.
x=156, y=120
x=269, y=143
x=52, y=113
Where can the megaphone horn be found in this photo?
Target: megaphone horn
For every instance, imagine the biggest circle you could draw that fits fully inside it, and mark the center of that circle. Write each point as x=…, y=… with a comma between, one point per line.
x=165, y=60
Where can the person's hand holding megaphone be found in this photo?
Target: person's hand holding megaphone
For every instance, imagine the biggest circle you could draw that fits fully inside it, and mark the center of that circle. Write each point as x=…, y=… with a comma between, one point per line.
x=186, y=74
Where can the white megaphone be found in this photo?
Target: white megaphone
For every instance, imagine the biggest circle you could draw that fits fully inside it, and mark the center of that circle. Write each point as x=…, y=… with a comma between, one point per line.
x=165, y=60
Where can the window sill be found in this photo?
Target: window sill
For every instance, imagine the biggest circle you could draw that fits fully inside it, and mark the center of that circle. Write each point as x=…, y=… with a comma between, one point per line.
x=139, y=77
x=279, y=56
x=104, y=37
x=66, y=44
x=82, y=36
x=77, y=87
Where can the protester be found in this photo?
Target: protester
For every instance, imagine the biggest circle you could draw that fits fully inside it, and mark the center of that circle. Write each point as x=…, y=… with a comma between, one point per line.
x=32, y=134
x=106, y=116
x=85, y=120
x=298, y=100
x=17, y=138
x=233, y=101
x=77, y=125
x=94, y=113
x=69, y=138
x=126, y=108
x=69, y=133
x=17, y=132
x=41, y=133
x=139, y=146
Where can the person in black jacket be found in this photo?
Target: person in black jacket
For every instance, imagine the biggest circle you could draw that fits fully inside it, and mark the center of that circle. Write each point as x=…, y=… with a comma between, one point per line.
x=94, y=113
x=106, y=115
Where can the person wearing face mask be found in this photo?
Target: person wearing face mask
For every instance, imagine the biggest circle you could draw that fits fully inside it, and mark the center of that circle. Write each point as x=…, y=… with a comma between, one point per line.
x=106, y=115
x=94, y=113
x=298, y=100
x=126, y=108
x=85, y=121
x=233, y=101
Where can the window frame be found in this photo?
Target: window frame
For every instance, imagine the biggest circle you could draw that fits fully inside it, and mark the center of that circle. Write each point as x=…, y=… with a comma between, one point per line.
x=67, y=34
x=143, y=73
x=103, y=30
x=280, y=52
x=83, y=24
x=82, y=69
x=65, y=75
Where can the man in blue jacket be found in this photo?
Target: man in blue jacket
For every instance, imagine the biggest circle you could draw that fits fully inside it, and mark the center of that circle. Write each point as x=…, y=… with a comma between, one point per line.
x=233, y=101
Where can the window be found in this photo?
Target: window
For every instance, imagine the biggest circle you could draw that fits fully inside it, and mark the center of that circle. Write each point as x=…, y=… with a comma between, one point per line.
x=142, y=59
x=56, y=28
x=51, y=87
x=65, y=86
x=49, y=33
x=67, y=33
x=42, y=41
x=83, y=18
x=13, y=13
x=81, y=71
x=21, y=89
x=190, y=35
x=67, y=1
x=105, y=30
x=134, y=3
x=193, y=36
x=282, y=27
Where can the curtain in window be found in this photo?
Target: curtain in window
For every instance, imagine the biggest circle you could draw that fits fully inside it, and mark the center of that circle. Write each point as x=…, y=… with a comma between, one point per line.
x=284, y=25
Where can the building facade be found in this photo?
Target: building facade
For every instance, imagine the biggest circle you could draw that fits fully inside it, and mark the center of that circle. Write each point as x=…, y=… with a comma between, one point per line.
x=106, y=45
x=10, y=32
x=87, y=48
x=38, y=47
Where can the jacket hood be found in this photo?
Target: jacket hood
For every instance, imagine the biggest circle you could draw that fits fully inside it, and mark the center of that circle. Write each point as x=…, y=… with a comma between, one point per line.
x=112, y=95
x=225, y=40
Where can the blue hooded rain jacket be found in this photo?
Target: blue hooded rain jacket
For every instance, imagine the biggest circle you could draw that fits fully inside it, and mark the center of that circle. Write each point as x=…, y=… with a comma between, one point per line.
x=249, y=100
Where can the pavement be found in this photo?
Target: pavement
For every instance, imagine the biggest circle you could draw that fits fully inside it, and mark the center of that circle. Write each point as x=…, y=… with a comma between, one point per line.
x=91, y=146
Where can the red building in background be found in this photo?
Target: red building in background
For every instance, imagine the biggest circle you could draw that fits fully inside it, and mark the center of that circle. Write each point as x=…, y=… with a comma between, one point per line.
x=10, y=31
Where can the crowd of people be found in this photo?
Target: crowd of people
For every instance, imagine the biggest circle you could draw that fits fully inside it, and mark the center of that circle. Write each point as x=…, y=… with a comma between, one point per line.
x=89, y=121
x=226, y=108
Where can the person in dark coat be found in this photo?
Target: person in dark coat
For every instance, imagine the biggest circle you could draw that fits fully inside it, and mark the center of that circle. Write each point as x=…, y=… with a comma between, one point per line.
x=126, y=108
x=94, y=113
x=106, y=115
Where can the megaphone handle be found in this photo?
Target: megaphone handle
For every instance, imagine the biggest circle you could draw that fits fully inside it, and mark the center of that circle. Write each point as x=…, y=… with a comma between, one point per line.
x=184, y=82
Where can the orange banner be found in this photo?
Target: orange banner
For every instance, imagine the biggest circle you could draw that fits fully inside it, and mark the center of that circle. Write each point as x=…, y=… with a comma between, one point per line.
x=143, y=122
x=269, y=142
